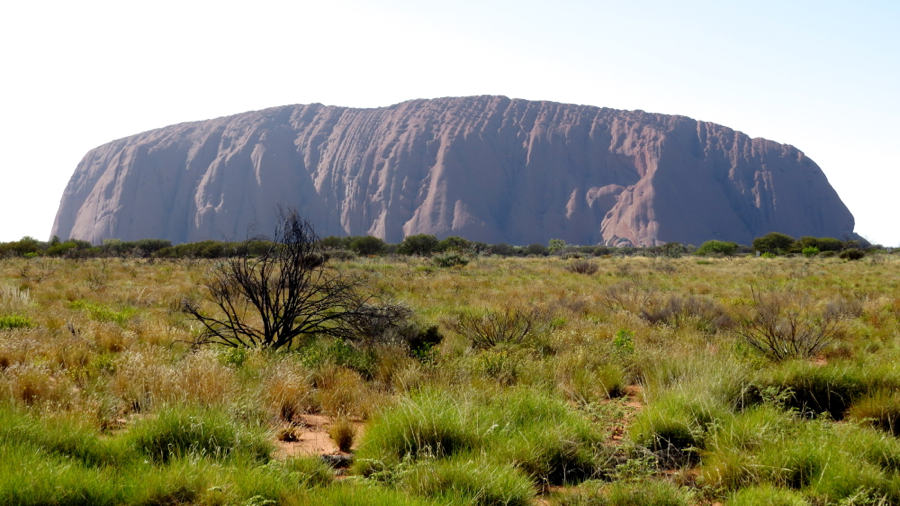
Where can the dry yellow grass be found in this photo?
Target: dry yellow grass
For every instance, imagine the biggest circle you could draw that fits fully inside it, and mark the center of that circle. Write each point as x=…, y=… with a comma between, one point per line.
x=107, y=334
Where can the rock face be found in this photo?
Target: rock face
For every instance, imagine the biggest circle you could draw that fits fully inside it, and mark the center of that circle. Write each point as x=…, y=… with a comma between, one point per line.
x=485, y=168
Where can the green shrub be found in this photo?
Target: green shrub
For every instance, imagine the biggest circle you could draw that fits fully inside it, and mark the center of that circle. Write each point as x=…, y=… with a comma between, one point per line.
x=367, y=245
x=103, y=313
x=420, y=245
x=624, y=341
x=810, y=251
x=453, y=243
x=556, y=245
x=450, y=259
x=537, y=249
x=852, y=254
x=502, y=249
x=14, y=321
x=820, y=243
x=338, y=352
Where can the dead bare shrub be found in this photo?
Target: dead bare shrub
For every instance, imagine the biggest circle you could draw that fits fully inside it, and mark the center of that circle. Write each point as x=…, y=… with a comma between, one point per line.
x=677, y=310
x=785, y=324
x=625, y=296
x=663, y=265
x=281, y=293
x=36, y=270
x=508, y=326
x=580, y=266
x=843, y=307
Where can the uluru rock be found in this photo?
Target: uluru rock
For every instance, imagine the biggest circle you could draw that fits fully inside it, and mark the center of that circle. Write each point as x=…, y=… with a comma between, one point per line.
x=486, y=168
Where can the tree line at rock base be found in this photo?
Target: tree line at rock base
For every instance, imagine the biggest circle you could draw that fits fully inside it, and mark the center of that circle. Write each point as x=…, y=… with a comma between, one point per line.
x=769, y=245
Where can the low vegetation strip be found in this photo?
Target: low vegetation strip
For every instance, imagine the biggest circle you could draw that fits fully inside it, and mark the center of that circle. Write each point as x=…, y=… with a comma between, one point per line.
x=500, y=380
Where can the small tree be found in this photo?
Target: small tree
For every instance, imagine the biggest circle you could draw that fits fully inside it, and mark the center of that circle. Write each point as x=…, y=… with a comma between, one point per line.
x=773, y=242
x=502, y=249
x=536, y=249
x=421, y=244
x=454, y=243
x=556, y=245
x=367, y=245
x=710, y=248
x=285, y=294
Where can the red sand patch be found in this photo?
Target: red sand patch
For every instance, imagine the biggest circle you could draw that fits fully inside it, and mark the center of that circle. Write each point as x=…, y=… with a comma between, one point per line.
x=310, y=438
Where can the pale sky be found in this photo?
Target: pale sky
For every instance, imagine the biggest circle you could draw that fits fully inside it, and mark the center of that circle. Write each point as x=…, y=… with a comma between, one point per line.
x=823, y=76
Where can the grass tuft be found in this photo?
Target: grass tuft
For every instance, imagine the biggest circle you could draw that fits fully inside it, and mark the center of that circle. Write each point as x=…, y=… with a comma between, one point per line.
x=342, y=433
x=474, y=480
x=183, y=431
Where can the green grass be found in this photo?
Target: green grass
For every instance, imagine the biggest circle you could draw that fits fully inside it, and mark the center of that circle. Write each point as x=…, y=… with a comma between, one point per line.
x=766, y=495
x=103, y=400
x=770, y=447
x=540, y=435
x=679, y=420
x=879, y=408
x=184, y=431
x=181, y=456
x=63, y=436
x=814, y=389
x=473, y=478
x=629, y=493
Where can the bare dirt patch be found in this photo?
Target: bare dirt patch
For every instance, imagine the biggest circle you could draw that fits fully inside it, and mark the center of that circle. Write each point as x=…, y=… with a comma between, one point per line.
x=308, y=436
x=633, y=403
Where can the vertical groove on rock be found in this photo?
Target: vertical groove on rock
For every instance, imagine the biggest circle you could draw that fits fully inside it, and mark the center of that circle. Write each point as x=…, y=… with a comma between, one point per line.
x=486, y=168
